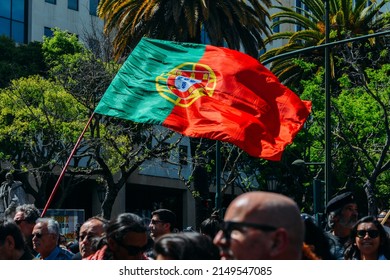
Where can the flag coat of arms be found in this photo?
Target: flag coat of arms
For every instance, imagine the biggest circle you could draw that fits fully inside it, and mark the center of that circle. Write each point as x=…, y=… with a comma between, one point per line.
x=208, y=92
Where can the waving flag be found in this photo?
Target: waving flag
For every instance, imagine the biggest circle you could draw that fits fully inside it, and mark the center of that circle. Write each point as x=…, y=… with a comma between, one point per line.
x=207, y=92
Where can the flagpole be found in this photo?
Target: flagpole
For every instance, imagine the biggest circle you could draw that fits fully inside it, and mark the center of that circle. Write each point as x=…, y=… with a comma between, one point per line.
x=218, y=176
x=66, y=165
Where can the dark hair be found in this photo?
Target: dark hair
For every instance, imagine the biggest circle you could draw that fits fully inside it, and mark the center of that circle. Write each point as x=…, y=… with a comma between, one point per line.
x=352, y=251
x=166, y=216
x=186, y=246
x=317, y=237
x=31, y=213
x=211, y=225
x=124, y=223
x=10, y=228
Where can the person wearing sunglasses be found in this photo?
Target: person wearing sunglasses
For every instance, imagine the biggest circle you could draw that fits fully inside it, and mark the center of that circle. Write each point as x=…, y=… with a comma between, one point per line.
x=45, y=238
x=163, y=221
x=368, y=241
x=126, y=239
x=25, y=217
x=261, y=226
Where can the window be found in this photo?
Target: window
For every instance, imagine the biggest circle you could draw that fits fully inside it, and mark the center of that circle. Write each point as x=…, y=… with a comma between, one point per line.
x=48, y=32
x=54, y=2
x=73, y=5
x=12, y=19
x=93, y=4
x=5, y=27
x=5, y=9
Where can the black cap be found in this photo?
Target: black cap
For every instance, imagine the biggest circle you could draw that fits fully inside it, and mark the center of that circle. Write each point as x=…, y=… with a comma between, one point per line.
x=339, y=201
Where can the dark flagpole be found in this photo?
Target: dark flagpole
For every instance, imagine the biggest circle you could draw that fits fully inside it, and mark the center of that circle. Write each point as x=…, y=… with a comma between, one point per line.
x=66, y=166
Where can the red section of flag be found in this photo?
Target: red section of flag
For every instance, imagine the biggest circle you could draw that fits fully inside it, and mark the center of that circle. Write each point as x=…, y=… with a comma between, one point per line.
x=249, y=107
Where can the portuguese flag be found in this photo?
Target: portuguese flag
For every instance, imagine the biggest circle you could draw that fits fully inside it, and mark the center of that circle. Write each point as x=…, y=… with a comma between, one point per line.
x=207, y=92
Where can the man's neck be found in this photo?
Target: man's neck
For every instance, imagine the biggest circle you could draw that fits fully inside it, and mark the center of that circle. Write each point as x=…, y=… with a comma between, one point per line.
x=341, y=231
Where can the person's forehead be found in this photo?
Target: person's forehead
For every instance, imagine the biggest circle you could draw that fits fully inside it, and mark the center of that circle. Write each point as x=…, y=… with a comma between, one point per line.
x=19, y=216
x=366, y=226
x=350, y=205
x=93, y=226
x=244, y=209
x=40, y=226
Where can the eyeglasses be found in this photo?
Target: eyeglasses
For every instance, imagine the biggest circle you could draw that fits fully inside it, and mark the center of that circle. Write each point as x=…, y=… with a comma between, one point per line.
x=228, y=227
x=133, y=250
x=154, y=222
x=37, y=235
x=371, y=233
x=18, y=222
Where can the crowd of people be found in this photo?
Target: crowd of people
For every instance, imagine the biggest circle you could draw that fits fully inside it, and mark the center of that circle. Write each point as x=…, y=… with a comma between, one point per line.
x=255, y=226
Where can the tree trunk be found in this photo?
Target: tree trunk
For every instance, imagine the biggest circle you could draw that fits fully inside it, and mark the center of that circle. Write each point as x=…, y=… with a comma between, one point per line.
x=371, y=201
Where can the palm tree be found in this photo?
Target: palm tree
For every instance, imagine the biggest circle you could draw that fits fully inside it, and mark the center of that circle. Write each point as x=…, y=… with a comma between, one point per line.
x=348, y=18
x=237, y=24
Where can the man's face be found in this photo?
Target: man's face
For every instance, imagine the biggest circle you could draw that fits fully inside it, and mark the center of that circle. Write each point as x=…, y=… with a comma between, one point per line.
x=89, y=230
x=349, y=215
x=243, y=242
x=131, y=247
x=43, y=241
x=24, y=226
x=157, y=227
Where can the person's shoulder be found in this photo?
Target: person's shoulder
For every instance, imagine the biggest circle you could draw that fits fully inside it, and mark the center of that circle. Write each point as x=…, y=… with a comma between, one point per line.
x=64, y=254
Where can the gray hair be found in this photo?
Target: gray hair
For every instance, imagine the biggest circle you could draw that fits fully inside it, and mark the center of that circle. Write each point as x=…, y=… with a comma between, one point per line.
x=331, y=217
x=31, y=213
x=52, y=225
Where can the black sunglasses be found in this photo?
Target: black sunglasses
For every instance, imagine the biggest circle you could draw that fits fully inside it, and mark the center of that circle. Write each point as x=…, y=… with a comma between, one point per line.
x=372, y=233
x=228, y=227
x=133, y=250
x=37, y=235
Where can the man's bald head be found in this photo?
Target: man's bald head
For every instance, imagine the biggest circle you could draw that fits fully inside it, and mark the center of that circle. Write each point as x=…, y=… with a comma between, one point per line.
x=268, y=209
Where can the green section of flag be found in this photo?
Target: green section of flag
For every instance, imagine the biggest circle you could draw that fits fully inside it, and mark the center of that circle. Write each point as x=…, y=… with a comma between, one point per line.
x=132, y=94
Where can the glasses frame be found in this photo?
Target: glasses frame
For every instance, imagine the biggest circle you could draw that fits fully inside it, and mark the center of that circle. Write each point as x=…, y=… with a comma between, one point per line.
x=228, y=226
x=155, y=222
x=37, y=235
x=372, y=233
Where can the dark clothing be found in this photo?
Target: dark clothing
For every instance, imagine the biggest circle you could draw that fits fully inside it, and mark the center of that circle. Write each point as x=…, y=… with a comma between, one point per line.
x=74, y=248
x=337, y=245
x=26, y=256
x=77, y=256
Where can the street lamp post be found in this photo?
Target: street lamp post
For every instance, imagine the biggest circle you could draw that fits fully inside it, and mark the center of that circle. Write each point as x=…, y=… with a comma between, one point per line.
x=318, y=205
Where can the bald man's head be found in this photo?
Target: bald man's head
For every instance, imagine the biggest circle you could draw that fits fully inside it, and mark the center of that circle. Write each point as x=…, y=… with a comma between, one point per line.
x=262, y=225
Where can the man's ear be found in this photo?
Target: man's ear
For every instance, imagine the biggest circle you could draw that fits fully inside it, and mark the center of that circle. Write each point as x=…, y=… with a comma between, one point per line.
x=280, y=243
x=166, y=226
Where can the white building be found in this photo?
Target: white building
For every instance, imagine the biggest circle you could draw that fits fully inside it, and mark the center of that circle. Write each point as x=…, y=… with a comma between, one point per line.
x=29, y=20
